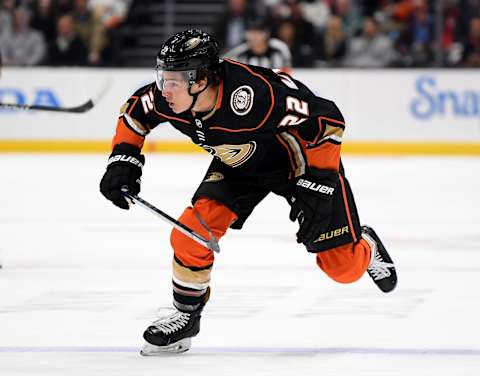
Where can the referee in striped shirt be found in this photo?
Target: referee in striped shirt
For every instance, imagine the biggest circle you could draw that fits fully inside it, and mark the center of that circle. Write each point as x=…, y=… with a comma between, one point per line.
x=261, y=49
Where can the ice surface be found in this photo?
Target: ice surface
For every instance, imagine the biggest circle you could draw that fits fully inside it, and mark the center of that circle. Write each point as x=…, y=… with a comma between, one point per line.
x=82, y=279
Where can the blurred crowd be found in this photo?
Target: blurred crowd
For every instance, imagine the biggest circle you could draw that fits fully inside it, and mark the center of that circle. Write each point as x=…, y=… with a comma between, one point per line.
x=298, y=33
x=60, y=32
x=364, y=33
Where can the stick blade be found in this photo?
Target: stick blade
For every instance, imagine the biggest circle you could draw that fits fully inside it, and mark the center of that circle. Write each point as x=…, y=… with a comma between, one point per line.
x=87, y=106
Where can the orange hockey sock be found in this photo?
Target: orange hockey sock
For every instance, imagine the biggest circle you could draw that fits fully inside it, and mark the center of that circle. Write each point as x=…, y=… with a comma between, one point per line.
x=347, y=263
x=216, y=216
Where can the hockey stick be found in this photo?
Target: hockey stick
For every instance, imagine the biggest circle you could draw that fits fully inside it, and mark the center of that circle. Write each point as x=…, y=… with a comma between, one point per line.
x=25, y=107
x=210, y=244
x=87, y=106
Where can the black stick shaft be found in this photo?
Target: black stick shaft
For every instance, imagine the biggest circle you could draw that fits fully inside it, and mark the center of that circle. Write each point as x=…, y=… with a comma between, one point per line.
x=25, y=107
x=210, y=244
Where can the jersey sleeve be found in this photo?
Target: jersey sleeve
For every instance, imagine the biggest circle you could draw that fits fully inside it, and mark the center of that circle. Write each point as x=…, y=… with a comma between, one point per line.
x=324, y=143
x=317, y=142
x=133, y=123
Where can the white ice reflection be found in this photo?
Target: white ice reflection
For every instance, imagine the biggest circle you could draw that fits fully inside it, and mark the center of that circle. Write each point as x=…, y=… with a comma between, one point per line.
x=81, y=279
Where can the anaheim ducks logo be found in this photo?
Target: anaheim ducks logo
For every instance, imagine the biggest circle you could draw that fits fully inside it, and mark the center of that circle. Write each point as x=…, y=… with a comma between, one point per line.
x=232, y=155
x=191, y=43
x=241, y=100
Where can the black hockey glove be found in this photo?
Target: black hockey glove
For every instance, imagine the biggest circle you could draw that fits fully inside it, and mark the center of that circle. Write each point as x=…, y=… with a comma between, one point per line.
x=312, y=203
x=124, y=169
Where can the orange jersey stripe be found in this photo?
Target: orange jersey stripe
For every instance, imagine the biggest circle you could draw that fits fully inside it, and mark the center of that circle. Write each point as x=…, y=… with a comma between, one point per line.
x=125, y=134
x=325, y=156
x=218, y=105
x=132, y=106
x=344, y=194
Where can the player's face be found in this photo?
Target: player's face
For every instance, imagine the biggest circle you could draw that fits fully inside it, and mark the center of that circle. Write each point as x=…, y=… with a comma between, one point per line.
x=175, y=91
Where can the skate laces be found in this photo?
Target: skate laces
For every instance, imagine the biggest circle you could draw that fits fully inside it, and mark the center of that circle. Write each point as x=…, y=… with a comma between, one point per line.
x=378, y=269
x=173, y=323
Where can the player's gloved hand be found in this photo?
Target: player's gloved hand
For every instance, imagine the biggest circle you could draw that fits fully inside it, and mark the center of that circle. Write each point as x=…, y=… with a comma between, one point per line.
x=124, y=169
x=312, y=203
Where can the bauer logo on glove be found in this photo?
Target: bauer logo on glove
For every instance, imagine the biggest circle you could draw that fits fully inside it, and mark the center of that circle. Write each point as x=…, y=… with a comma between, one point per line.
x=125, y=158
x=312, y=203
x=315, y=186
x=124, y=170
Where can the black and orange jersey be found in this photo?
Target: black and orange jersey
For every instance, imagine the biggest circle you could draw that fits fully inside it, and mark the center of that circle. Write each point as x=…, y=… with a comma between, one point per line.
x=263, y=122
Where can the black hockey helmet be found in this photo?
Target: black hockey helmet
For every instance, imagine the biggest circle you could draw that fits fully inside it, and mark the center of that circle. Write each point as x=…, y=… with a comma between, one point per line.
x=191, y=51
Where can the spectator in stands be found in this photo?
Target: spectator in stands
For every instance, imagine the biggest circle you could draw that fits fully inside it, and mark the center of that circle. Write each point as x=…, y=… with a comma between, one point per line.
x=369, y=7
x=230, y=31
x=471, y=52
x=416, y=40
x=68, y=48
x=90, y=29
x=350, y=14
x=333, y=42
x=371, y=48
x=402, y=9
x=260, y=48
x=6, y=21
x=303, y=54
x=468, y=9
x=304, y=30
x=112, y=14
x=45, y=18
x=63, y=6
x=452, y=33
x=24, y=45
x=298, y=34
x=317, y=12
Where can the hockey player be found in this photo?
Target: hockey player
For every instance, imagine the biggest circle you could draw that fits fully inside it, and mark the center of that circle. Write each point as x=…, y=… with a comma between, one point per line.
x=267, y=132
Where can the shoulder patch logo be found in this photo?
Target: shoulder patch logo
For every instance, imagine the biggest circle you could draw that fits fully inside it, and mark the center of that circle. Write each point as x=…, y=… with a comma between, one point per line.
x=241, y=100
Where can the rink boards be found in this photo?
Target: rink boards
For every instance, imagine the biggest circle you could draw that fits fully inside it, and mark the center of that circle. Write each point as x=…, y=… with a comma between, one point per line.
x=386, y=111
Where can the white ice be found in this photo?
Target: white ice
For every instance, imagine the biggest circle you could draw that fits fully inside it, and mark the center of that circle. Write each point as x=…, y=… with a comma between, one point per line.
x=82, y=279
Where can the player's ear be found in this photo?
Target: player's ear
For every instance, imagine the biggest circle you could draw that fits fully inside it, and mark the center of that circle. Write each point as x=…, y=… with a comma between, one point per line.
x=199, y=86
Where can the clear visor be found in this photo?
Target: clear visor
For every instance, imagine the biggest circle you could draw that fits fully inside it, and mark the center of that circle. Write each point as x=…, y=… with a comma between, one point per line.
x=174, y=80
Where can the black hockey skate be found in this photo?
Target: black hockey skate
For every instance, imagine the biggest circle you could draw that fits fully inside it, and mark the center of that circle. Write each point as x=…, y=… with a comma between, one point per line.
x=381, y=268
x=171, y=333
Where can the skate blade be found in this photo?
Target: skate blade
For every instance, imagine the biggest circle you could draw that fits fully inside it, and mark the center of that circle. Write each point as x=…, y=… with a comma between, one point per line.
x=174, y=348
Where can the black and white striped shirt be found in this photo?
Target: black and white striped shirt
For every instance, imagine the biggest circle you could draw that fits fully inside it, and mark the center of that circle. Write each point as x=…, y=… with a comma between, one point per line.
x=276, y=56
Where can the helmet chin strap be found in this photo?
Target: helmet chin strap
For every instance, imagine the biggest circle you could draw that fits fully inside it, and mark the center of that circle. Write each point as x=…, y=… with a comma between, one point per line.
x=195, y=96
